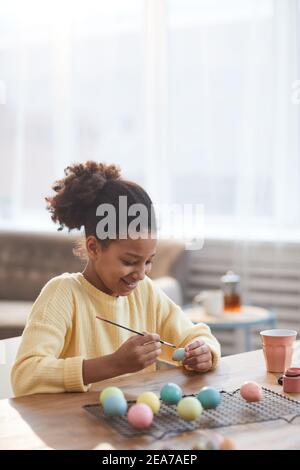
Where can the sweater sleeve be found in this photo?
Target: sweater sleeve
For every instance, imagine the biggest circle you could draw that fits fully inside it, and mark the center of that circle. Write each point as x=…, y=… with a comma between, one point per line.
x=176, y=328
x=38, y=367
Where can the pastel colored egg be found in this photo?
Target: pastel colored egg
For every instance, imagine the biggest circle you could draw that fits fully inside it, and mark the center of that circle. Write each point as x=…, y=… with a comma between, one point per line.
x=115, y=405
x=178, y=354
x=206, y=443
x=201, y=444
x=251, y=391
x=228, y=444
x=140, y=416
x=218, y=438
x=109, y=391
x=189, y=408
x=171, y=393
x=150, y=399
x=209, y=397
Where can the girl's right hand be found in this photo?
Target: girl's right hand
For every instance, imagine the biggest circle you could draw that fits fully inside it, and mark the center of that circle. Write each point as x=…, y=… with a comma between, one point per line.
x=137, y=353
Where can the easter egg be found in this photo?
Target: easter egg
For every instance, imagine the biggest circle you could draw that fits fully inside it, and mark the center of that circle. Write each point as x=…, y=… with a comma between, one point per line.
x=228, y=444
x=140, y=416
x=251, y=391
x=115, y=405
x=201, y=444
x=178, y=354
x=206, y=443
x=189, y=408
x=209, y=397
x=218, y=438
x=150, y=399
x=171, y=393
x=109, y=391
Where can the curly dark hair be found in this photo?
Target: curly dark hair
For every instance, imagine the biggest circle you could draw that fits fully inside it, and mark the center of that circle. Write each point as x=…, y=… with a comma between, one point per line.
x=86, y=186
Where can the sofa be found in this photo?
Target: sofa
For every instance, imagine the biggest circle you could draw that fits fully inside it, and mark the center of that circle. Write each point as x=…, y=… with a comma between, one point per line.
x=29, y=260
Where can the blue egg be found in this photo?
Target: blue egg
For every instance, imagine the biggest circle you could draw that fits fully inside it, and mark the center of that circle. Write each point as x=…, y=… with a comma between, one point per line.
x=179, y=354
x=209, y=397
x=171, y=393
x=115, y=406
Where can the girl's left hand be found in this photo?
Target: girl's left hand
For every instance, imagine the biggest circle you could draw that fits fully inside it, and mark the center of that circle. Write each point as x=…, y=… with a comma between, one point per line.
x=198, y=356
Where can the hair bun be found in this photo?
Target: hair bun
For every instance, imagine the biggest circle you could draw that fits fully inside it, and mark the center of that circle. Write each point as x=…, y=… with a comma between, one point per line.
x=86, y=180
x=78, y=191
x=90, y=169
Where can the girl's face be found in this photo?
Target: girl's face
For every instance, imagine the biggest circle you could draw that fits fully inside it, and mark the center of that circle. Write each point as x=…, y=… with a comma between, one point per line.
x=117, y=269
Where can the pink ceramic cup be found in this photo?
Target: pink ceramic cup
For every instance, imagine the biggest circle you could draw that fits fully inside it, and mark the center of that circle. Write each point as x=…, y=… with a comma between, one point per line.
x=278, y=348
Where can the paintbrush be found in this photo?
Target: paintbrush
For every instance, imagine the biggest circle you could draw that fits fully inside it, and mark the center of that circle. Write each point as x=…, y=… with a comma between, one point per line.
x=133, y=331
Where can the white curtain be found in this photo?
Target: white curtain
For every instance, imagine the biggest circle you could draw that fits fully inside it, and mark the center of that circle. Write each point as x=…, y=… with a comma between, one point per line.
x=195, y=99
x=233, y=125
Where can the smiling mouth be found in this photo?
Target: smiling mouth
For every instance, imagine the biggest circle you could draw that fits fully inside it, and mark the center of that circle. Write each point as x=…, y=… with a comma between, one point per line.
x=130, y=285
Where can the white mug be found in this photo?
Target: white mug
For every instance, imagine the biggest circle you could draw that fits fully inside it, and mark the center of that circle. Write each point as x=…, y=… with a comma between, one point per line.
x=212, y=300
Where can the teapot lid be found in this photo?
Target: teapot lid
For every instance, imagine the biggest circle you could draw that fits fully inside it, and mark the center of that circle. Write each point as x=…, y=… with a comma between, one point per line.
x=230, y=278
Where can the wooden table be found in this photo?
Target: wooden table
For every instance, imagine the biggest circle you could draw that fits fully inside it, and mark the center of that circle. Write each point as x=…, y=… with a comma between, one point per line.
x=58, y=421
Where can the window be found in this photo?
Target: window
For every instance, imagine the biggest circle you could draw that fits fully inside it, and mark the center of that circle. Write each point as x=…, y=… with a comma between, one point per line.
x=74, y=74
x=193, y=98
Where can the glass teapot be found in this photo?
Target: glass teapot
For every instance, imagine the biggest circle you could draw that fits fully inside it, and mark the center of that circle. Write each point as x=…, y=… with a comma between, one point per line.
x=230, y=285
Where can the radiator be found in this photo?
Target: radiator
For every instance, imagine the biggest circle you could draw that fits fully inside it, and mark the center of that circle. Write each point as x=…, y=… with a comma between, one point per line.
x=270, y=278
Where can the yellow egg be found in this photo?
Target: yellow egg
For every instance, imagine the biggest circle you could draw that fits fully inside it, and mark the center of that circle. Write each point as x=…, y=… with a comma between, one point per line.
x=150, y=399
x=108, y=392
x=189, y=408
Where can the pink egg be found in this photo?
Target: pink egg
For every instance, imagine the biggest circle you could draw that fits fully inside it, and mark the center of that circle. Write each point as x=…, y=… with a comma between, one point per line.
x=218, y=438
x=140, y=416
x=251, y=391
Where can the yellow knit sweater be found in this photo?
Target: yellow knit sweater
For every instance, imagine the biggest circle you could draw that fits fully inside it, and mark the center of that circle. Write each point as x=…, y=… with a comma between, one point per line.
x=62, y=331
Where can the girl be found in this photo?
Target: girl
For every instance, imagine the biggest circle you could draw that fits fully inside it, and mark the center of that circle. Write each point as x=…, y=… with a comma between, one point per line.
x=64, y=347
